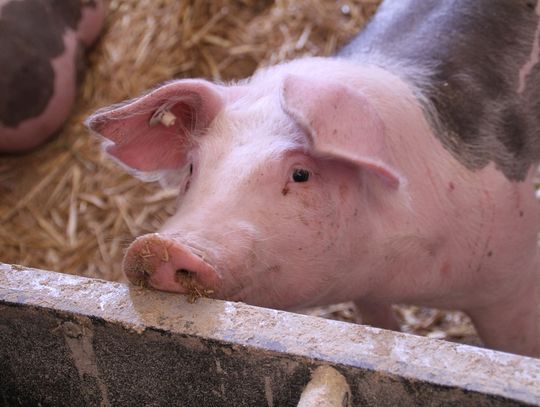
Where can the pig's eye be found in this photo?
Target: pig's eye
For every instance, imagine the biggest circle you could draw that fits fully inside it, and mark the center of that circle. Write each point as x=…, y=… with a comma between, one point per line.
x=190, y=169
x=300, y=175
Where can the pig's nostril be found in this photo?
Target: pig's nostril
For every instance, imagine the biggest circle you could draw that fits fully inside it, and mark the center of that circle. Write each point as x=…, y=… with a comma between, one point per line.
x=185, y=277
x=184, y=273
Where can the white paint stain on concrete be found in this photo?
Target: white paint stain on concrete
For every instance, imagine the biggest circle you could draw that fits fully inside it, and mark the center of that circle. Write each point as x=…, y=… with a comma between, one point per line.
x=79, y=337
x=268, y=391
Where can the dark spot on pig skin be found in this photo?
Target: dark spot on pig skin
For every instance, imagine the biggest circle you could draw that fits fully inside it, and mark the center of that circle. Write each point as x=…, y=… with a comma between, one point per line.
x=490, y=253
x=31, y=34
x=446, y=270
x=472, y=53
x=285, y=191
x=273, y=269
x=521, y=213
x=451, y=186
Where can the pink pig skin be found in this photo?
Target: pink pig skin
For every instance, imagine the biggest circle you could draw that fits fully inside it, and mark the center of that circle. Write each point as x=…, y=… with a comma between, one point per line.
x=386, y=216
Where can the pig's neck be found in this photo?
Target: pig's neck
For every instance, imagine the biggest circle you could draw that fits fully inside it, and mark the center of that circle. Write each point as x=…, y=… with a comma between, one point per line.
x=450, y=230
x=442, y=225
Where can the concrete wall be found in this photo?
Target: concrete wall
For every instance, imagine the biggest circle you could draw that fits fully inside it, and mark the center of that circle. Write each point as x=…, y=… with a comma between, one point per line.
x=73, y=341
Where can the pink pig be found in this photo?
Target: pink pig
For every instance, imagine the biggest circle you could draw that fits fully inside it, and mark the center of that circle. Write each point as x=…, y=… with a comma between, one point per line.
x=325, y=180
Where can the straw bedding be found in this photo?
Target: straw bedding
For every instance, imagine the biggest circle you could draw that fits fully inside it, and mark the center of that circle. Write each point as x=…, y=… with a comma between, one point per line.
x=66, y=208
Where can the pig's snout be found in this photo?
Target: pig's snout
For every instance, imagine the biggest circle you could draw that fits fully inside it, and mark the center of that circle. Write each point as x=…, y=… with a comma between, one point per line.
x=161, y=262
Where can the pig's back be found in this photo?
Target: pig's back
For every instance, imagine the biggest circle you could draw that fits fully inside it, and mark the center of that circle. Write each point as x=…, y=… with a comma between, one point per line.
x=483, y=75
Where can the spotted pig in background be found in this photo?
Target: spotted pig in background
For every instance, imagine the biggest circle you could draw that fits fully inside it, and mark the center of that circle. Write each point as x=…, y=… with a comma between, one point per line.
x=41, y=47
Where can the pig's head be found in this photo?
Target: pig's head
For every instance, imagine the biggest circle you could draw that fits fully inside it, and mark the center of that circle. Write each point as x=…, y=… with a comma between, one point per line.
x=277, y=188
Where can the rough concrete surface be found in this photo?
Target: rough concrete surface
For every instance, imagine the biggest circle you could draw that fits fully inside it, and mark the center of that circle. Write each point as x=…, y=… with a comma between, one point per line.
x=74, y=341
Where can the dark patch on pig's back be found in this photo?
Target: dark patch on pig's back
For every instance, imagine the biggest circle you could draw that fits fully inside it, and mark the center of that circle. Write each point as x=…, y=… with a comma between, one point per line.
x=475, y=93
x=474, y=51
x=68, y=10
x=31, y=36
x=27, y=83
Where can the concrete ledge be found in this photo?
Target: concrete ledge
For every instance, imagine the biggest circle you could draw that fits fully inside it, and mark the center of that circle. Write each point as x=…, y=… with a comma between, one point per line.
x=75, y=341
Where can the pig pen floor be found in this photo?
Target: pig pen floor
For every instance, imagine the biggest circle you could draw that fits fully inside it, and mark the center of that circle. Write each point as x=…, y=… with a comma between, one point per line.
x=66, y=208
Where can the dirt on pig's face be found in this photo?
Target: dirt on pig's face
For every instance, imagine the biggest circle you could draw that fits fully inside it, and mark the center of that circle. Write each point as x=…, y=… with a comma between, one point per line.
x=263, y=246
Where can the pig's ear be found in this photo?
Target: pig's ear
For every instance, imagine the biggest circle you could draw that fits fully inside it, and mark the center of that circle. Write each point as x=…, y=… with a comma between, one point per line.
x=155, y=132
x=341, y=123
